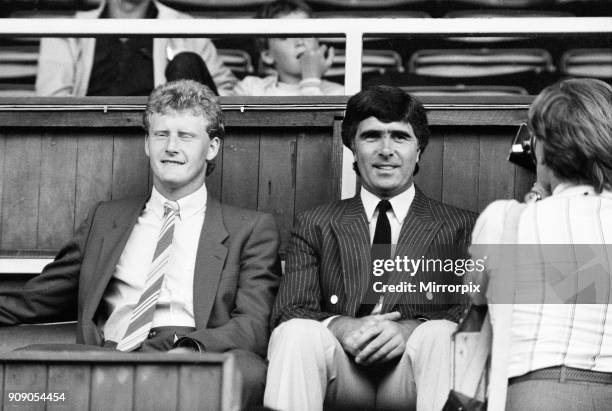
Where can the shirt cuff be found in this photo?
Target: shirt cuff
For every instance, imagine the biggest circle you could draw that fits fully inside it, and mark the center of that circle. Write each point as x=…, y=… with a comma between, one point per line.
x=190, y=343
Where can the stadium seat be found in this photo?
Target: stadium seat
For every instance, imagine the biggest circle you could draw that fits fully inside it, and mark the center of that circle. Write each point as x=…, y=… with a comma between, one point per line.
x=465, y=90
x=356, y=4
x=239, y=61
x=372, y=61
x=18, y=67
x=459, y=63
x=587, y=63
x=504, y=4
x=531, y=69
x=496, y=13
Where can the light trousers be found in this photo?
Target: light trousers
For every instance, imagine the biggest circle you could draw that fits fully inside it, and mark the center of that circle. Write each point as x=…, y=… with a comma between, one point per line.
x=308, y=369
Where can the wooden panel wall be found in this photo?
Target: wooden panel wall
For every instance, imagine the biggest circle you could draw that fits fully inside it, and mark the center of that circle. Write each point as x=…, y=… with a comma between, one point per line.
x=281, y=158
x=467, y=167
x=51, y=178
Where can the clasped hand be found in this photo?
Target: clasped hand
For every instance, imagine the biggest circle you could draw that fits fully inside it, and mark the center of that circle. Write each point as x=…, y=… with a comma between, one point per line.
x=373, y=339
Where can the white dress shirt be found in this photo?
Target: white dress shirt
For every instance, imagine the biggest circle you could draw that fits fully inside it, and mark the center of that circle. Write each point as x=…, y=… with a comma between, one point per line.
x=396, y=214
x=175, y=304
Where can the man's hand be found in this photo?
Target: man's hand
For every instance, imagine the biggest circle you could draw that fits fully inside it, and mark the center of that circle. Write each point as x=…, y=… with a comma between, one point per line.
x=348, y=330
x=384, y=341
x=314, y=63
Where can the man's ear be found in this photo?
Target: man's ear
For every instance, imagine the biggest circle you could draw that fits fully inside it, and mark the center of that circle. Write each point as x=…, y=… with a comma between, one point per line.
x=146, y=144
x=213, y=148
x=266, y=57
x=418, y=155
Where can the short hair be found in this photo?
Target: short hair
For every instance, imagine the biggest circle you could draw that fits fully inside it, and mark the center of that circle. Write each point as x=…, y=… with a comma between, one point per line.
x=191, y=96
x=187, y=95
x=387, y=104
x=277, y=9
x=573, y=119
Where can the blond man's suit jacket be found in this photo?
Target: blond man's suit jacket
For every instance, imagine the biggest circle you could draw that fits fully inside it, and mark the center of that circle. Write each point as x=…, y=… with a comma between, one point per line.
x=235, y=280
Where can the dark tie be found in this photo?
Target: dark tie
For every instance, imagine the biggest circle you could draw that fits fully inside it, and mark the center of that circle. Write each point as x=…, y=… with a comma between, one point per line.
x=381, y=250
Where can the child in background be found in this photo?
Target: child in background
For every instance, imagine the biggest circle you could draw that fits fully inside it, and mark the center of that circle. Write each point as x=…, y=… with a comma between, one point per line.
x=299, y=63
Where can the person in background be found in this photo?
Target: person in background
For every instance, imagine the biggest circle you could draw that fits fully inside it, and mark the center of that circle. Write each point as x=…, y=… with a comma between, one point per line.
x=559, y=355
x=133, y=66
x=177, y=271
x=299, y=63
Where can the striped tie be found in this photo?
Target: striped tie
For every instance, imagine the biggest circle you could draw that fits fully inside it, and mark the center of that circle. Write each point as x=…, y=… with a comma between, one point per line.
x=142, y=316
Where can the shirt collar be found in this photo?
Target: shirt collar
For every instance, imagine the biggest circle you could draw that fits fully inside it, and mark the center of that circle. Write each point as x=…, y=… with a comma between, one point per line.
x=187, y=206
x=400, y=203
x=568, y=189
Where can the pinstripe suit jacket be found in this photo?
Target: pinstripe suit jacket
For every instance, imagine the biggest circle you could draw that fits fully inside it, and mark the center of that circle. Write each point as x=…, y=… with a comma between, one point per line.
x=329, y=255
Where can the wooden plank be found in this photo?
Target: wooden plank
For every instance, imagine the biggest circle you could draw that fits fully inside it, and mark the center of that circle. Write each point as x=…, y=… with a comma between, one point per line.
x=460, y=165
x=156, y=387
x=277, y=178
x=275, y=117
x=112, y=387
x=337, y=150
x=57, y=189
x=214, y=181
x=476, y=117
x=313, y=183
x=130, y=165
x=429, y=177
x=241, y=168
x=20, y=190
x=199, y=388
x=2, y=178
x=74, y=382
x=495, y=174
x=25, y=378
x=255, y=117
x=2, y=383
x=94, y=171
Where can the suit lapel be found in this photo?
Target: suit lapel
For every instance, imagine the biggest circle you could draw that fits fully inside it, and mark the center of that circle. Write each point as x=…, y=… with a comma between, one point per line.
x=210, y=260
x=417, y=233
x=353, y=237
x=111, y=248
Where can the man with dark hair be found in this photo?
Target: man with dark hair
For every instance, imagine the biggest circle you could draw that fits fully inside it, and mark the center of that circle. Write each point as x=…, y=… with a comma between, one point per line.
x=339, y=339
x=133, y=66
x=176, y=271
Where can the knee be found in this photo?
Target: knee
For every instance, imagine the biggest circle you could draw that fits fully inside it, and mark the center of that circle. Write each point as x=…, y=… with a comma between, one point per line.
x=297, y=333
x=438, y=328
x=433, y=333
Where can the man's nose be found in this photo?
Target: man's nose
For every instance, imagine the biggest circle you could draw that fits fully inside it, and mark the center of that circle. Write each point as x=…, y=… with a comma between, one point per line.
x=386, y=146
x=172, y=143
